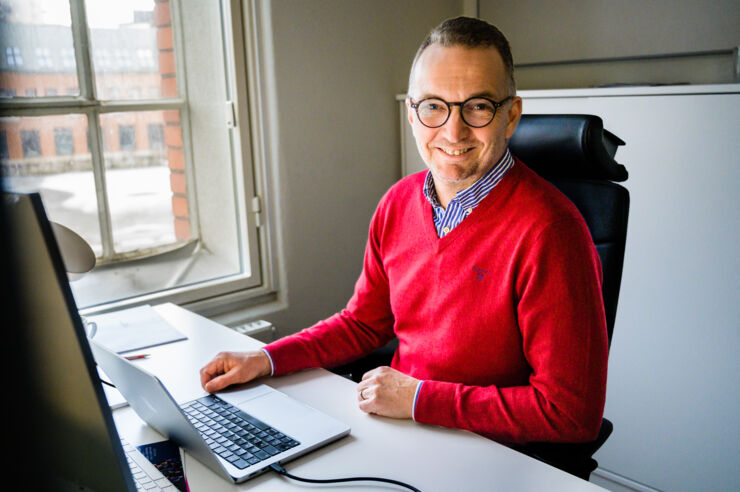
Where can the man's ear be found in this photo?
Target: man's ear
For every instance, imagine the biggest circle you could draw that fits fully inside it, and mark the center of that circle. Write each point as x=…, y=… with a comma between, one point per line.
x=514, y=114
x=409, y=111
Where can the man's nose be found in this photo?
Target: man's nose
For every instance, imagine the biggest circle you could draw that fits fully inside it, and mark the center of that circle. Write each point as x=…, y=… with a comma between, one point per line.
x=455, y=128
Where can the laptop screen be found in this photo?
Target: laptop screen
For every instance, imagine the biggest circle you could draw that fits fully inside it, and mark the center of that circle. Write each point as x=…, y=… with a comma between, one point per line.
x=74, y=443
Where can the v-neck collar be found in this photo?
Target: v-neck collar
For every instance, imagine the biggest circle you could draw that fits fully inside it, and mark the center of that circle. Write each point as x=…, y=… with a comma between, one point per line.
x=467, y=226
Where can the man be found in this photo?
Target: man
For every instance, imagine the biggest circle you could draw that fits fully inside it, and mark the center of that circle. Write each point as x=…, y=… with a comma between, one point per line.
x=486, y=273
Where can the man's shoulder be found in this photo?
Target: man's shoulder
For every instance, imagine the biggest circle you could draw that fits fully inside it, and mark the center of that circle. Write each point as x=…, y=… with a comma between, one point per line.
x=540, y=198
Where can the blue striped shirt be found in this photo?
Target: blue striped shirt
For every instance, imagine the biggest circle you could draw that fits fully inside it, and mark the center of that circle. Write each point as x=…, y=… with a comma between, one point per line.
x=465, y=200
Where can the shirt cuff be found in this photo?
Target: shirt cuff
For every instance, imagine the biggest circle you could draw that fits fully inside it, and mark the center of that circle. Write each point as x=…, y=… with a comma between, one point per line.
x=416, y=397
x=272, y=364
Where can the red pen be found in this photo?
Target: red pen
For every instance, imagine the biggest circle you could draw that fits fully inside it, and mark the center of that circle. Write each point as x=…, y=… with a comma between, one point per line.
x=136, y=357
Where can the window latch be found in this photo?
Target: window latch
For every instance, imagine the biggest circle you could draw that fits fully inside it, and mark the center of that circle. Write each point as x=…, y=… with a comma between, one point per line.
x=257, y=210
x=230, y=114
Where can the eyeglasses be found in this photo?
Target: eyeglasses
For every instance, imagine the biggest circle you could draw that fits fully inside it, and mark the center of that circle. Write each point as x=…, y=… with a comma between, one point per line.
x=476, y=111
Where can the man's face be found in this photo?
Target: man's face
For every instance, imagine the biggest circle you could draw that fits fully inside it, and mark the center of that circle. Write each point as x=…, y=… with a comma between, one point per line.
x=455, y=74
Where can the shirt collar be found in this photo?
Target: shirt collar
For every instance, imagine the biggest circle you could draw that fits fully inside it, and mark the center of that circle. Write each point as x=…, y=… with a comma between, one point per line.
x=475, y=193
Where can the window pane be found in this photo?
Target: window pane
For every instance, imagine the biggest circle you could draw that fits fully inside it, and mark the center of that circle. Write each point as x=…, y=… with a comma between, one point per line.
x=32, y=161
x=36, y=50
x=145, y=177
x=63, y=141
x=4, y=145
x=132, y=49
x=30, y=143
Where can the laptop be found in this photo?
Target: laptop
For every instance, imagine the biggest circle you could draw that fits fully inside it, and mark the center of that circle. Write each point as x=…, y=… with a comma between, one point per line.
x=238, y=434
x=62, y=427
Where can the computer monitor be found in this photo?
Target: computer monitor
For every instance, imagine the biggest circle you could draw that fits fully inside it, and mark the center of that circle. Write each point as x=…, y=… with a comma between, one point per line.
x=74, y=444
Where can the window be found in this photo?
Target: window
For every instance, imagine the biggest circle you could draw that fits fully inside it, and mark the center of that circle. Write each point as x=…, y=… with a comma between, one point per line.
x=43, y=58
x=13, y=56
x=156, y=136
x=29, y=92
x=68, y=57
x=7, y=92
x=145, y=57
x=3, y=145
x=126, y=137
x=102, y=59
x=63, y=141
x=153, y=129
x=30, y=143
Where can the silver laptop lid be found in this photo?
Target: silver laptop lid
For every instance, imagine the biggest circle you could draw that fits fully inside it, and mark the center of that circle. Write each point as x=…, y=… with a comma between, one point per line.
x=153, y=403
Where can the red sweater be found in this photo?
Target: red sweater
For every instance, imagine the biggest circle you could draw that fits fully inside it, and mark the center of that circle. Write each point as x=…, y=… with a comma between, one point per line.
x=502, y=318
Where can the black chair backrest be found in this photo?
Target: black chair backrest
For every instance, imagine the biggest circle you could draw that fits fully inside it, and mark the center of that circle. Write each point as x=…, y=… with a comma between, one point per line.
x=576, y=154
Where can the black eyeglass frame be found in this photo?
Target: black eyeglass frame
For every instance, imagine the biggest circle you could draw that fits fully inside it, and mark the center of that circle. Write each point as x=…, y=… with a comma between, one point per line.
x=449, y=105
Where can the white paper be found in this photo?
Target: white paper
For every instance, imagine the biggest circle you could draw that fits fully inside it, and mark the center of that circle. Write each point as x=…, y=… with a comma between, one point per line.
x=134, y=329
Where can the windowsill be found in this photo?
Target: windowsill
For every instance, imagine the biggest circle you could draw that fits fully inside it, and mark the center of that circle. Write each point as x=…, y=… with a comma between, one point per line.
x=125, y=281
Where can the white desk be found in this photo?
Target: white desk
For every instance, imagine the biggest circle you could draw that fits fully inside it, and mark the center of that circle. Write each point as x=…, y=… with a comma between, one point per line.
x=429, y=458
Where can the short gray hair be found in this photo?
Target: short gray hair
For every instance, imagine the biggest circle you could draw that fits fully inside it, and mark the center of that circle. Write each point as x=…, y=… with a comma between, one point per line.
x=470, y=33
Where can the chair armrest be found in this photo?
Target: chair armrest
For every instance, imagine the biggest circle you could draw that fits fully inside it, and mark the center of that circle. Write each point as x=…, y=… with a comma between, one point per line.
x=574, y=458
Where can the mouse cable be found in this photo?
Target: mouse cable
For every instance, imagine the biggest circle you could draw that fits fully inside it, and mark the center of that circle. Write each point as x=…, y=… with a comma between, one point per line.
x=279, y=469
x=106, y=382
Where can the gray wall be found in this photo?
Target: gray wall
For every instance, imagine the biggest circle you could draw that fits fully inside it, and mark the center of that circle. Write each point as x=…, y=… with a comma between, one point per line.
x=338, y=65
x=583, y=43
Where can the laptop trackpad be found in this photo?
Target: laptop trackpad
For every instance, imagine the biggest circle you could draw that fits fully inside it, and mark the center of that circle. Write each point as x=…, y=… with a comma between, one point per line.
x=283, y=413
x=238, y=397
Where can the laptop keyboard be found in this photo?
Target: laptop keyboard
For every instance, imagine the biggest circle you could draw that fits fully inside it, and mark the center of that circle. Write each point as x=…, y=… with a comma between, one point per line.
x=146, y=476
x=236, y=436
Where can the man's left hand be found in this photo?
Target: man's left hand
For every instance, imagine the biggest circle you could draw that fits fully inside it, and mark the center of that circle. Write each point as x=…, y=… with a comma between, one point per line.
x=387, y=392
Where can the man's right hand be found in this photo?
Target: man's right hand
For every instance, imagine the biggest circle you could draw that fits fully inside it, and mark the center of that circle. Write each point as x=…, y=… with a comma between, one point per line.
x=229, y=368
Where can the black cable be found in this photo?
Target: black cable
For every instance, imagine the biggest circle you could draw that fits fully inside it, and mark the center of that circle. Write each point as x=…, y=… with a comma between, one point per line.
x=106, y=382
x=279, y=469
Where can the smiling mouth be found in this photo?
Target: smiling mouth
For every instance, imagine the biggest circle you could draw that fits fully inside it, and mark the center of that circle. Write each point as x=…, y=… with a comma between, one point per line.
x=455, y=151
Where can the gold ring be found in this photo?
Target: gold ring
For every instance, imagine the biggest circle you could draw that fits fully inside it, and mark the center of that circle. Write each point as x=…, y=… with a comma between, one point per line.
x=362, y=394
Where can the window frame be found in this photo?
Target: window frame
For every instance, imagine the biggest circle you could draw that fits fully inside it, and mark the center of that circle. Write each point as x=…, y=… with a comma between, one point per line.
x=256, y=281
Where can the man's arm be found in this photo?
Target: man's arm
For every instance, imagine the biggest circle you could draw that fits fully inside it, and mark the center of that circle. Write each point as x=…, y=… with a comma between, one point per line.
x=365, y=324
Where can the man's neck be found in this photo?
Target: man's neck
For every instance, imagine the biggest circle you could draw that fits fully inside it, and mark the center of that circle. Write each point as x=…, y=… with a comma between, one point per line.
x=446, y=191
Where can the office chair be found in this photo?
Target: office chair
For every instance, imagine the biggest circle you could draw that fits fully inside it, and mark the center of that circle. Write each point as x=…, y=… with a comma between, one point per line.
x=575, y=154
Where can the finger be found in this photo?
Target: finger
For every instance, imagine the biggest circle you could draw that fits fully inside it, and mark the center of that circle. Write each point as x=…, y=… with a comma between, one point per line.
x=209, y=371
x=370, y=374
x=369, y=404
x=378, y=371
x=222, y=381
x=364, y=394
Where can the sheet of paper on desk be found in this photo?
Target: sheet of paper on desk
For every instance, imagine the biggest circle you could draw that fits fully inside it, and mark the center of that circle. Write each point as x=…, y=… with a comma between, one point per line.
x=134, y=329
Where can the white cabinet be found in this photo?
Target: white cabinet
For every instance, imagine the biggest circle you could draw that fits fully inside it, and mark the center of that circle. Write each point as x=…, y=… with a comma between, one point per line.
x=674, y=370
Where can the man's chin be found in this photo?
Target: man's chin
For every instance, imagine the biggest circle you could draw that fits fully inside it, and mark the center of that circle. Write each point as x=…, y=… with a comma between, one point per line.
x=451, y=175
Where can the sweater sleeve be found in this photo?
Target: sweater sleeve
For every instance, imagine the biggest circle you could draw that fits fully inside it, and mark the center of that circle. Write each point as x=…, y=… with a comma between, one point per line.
x=560, y=312
x=364, y=325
